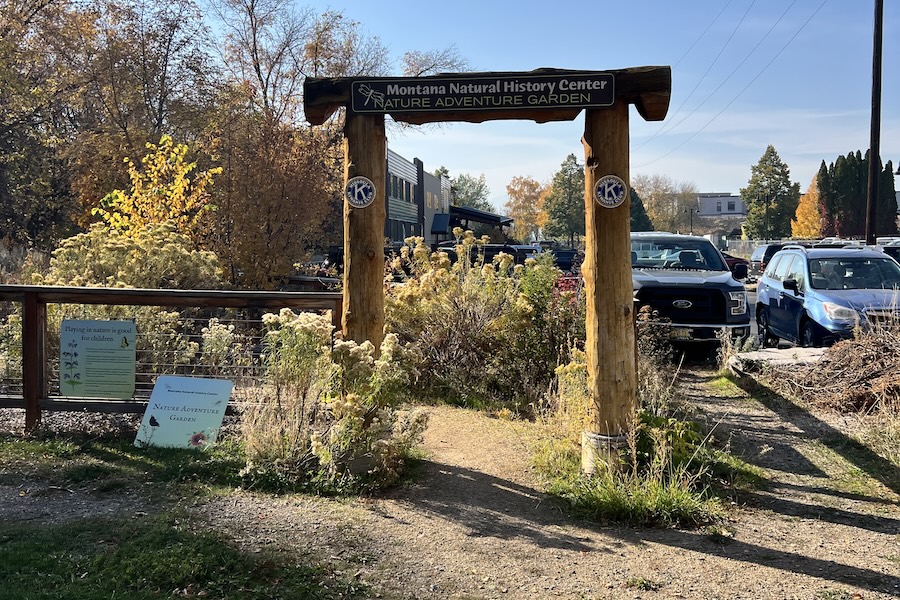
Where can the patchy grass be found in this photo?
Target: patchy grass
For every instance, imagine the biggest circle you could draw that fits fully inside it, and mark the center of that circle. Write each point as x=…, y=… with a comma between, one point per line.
x=643, y=584
x=114, y=464
x=725, y=387
x=676, y=500
x=153, y=557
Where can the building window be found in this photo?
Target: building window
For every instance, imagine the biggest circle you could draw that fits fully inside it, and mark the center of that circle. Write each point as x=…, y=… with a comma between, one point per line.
x=718, y=207
x=731, y=206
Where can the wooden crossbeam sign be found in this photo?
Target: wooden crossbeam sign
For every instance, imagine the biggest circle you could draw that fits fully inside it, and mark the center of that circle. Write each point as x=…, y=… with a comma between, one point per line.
x=542, y=95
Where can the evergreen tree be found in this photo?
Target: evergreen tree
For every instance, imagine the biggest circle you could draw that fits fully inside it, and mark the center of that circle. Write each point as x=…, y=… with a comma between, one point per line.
x=771, y=198
x=886, y=219
x=640, y=221
x=843, y=189
x=826, y=200
x=564, y=203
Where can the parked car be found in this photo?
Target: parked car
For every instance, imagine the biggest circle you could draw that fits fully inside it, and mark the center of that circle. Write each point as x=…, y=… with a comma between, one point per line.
x=816, y=296
x=732, y=260
x=567, y=259
x=519, y=252
x=892, y=250
x=686, y=282
x=761, y=257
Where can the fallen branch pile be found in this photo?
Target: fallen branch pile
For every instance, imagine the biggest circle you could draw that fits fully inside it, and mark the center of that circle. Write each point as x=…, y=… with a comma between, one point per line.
x=862, y=374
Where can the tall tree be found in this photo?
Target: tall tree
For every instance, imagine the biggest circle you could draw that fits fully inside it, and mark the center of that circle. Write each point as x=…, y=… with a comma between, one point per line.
x=431, y=62
x=564, y=203
x=524, y=205
x=668, y=202
x=35, y=196
x=145, y=73
x=886, y=221
x=640, y=221
x=807, y=224
x=279, y=195
x=771, y=198
x=826, y=200
x=466, y=190
x=843, y=189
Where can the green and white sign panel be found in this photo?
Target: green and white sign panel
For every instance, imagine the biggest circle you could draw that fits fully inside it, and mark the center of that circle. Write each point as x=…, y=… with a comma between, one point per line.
x=184, y=412
x=96, y=359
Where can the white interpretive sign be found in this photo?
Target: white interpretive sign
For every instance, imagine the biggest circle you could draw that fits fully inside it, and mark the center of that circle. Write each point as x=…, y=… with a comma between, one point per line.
x=184, y=412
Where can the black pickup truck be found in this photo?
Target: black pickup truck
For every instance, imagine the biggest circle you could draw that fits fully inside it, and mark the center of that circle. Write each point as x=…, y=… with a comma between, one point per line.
x=687, y=283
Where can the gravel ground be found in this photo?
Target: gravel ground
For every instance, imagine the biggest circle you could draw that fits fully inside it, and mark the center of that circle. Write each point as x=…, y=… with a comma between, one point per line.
x=475, y=523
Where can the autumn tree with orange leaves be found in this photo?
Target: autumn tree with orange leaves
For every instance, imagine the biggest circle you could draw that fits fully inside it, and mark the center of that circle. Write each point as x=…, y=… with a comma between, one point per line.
x=525, y=205
x=807, y=221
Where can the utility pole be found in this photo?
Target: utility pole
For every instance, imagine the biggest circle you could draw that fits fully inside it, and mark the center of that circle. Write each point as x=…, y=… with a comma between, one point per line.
x=875, y=131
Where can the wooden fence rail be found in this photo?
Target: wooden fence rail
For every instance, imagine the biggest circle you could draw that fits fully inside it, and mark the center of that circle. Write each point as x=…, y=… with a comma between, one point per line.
x=35, y=298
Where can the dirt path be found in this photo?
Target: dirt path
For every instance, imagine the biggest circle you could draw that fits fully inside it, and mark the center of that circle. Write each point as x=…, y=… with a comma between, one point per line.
x=475, y=525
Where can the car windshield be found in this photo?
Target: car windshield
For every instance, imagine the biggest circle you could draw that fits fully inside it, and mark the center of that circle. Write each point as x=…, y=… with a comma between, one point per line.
x=676, y=254
x=854, y=273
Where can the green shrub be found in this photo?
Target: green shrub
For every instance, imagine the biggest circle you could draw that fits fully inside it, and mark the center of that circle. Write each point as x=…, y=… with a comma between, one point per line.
x=154, y=257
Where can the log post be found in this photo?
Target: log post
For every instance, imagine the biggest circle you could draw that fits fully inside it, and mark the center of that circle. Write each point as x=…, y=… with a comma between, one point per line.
x=610, y=343
x=365, y=155
x=34, y=358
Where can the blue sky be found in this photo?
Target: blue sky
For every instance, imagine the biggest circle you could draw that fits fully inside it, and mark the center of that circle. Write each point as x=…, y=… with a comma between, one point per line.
x=796, y=74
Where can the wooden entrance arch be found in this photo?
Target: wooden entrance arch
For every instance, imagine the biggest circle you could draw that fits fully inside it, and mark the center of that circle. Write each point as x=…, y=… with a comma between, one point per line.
x=542, y=96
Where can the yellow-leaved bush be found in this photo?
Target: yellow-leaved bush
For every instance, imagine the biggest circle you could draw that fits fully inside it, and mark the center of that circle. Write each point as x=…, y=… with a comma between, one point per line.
x=163, y=190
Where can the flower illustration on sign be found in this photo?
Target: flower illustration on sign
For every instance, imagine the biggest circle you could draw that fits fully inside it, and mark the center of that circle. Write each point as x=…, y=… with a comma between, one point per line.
x=198, y=438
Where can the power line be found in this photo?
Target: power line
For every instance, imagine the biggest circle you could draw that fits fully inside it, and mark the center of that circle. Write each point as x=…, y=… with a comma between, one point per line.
x=672, y=125
x=700, y=37
x=708, y=69
x=738, y=95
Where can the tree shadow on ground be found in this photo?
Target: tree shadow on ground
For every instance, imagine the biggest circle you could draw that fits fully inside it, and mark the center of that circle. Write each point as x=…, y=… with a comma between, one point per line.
x=811, y=427
x=488, y=506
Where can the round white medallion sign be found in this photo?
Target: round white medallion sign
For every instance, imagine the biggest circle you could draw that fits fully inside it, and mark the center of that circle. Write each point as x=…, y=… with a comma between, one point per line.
x=610, y=191
x=360, y=192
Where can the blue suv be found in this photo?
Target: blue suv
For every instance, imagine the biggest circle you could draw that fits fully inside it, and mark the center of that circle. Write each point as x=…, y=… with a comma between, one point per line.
x=816, y=296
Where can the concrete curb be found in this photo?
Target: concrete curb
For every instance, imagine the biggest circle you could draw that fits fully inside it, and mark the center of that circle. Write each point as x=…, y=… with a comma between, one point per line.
x=759, y=360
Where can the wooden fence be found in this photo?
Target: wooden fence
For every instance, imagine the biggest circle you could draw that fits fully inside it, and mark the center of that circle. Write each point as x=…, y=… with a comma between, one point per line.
x=34, y=300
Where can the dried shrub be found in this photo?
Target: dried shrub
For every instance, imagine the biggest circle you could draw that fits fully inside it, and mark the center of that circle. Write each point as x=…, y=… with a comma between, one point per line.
x=482, y=334
x=328, y=420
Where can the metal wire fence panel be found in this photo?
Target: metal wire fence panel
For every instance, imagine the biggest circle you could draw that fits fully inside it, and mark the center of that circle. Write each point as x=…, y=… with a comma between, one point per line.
x=223, y=344
x=10, y=349
x=199, y=333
